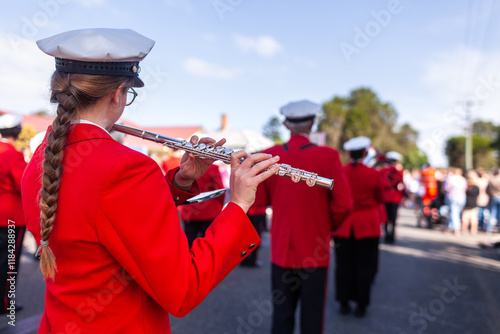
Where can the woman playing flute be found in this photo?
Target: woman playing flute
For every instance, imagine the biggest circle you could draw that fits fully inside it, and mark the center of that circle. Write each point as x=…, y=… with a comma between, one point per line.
x=113, y=254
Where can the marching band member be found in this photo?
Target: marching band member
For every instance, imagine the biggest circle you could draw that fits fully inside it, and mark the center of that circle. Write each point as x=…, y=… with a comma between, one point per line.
x=394, y=192
x=12, y=225
x=356, y=241
x=113, y=254
x=197, y=217
x=303, y=218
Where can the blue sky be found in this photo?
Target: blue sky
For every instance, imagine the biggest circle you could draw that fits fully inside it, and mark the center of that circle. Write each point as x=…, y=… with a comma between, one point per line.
x=246, y=58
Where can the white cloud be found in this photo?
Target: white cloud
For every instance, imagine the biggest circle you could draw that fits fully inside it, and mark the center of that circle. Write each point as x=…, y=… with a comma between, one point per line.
x=265, y=46
x=201, y=68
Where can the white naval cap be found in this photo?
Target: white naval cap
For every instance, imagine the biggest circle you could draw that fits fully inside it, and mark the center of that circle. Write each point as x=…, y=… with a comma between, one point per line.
x=300, y=111
x=9, y=121
x=99, y=51
x=393, y=155
x=36, y=140
x=357, y=143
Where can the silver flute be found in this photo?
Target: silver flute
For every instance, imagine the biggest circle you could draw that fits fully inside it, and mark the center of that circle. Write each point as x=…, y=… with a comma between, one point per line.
x=223, y=154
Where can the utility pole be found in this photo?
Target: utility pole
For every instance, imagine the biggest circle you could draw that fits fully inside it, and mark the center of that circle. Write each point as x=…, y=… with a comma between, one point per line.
x=468, y=136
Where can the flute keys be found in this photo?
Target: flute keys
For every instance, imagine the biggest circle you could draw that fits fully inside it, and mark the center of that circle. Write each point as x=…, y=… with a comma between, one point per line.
x=295, y=177
x=284, y=169
x=311, y=180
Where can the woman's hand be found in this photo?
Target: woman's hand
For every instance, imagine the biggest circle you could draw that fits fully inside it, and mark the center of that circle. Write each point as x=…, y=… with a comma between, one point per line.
x=191, y=167
x=246, y=176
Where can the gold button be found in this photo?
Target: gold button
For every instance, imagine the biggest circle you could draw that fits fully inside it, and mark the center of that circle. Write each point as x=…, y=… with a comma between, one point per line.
x=244, y=253
x=251, y=246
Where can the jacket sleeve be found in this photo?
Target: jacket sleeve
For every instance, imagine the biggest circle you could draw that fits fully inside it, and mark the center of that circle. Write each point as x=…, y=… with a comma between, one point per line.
x=18, y=165
x=341, y=202
x=139, y=226
x=179, y=195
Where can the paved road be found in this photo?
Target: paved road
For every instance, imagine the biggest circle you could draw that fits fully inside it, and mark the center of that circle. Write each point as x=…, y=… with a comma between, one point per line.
x=428, y=282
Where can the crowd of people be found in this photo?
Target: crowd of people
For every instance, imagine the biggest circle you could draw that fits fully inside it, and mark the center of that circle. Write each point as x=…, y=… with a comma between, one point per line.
x=460, y=202
x=84, y=208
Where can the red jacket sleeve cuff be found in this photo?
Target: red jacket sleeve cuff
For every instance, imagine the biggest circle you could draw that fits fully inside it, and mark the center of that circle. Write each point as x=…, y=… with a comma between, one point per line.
x=179, y=195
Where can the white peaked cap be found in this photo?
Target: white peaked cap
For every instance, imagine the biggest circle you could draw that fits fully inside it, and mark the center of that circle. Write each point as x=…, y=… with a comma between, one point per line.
x=300, y=110
x=8, y=121
x=99, y=51
x=392, y=155
x=357, y=143
x=36, y=140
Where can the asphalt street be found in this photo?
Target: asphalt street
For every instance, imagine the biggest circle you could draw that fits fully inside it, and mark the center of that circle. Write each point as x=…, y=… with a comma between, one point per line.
x=429, y=281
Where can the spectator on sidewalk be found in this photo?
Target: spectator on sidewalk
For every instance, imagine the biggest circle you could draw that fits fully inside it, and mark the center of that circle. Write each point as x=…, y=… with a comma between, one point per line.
x=455, y=187
x=493, y=191
x=483, y=199
x=469, y=213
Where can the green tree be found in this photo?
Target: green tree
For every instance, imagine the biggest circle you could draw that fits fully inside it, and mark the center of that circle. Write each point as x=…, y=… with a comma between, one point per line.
x=482, y=152
x=363, y=114
x=23, y=141
x=272, y=130
x=485, y=129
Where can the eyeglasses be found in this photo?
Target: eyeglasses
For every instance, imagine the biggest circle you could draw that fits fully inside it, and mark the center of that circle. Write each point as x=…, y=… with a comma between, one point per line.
x=131, y=95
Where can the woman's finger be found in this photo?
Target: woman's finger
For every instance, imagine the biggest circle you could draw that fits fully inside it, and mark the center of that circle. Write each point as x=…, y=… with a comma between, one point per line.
x=206, y=140
x=194, y=139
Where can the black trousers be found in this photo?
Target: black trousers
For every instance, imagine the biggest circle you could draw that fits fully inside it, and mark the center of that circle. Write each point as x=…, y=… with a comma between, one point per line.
x=195, y=229
x=11, y=245
x=258, y=222
x=356, y=264
x=288, y=286
x=390, y=226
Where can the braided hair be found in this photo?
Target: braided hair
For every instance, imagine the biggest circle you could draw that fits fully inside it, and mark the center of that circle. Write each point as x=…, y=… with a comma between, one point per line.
x=72, y=92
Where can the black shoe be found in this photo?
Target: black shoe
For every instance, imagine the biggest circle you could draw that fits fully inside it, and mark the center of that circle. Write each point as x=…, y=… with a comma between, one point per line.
x=485, y=245
x=345, y=308
x=360, y=311
x=389, y=240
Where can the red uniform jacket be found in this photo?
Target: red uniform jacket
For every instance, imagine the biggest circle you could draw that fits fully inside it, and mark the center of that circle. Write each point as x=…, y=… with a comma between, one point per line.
x=395, y=189
x=303, y=216
x=12, y=166
x=207, y=210
x=123, y=260
x=368, y=193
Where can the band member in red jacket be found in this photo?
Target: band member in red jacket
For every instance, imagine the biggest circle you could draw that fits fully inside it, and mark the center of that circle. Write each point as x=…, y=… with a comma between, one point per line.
x=302, y=221
x=356, y=241
x=12, y=225
x=197, y=217
x=393, y=193
x=113, y=254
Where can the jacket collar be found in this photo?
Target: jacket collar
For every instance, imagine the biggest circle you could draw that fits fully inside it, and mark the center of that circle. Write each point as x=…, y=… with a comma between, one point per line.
x=83, y=131
x=298, y=140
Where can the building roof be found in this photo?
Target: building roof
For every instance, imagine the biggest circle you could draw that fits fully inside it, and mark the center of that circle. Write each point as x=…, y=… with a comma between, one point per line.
x=41, y=122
